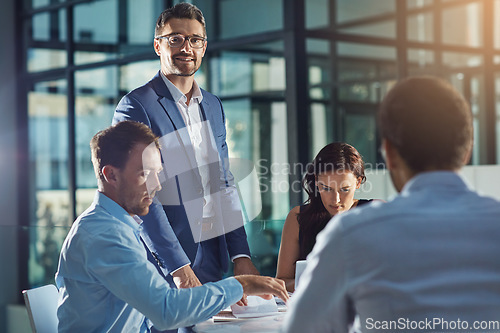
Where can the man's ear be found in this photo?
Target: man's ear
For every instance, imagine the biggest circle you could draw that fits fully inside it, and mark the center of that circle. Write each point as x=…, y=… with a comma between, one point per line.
x=110, y=174
x=156, y=46
x=358, y=182
x=468, y=155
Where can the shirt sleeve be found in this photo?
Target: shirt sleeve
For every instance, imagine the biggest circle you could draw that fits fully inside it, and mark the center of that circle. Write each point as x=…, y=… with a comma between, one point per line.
x=161, y=240
x=117, y=260
x=320, y=304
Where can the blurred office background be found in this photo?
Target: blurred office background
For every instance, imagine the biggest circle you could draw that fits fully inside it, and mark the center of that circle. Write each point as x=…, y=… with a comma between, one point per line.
x=293, y=75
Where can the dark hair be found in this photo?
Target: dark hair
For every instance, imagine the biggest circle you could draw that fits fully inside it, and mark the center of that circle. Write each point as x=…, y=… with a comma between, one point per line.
x=113, y=145
x=182, y=10
x=336, y=156
x=428, y=122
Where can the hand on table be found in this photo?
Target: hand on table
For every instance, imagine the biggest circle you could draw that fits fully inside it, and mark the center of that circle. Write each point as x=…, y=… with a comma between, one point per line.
x=185, y=278
x=263, y=286
x=244, y=266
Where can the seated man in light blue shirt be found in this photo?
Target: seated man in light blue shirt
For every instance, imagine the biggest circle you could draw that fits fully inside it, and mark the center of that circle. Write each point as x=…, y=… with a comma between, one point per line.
x=106, y=283
x=427, y=260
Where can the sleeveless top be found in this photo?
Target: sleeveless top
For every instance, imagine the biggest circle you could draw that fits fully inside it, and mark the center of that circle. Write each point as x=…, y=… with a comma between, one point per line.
x=307, y=238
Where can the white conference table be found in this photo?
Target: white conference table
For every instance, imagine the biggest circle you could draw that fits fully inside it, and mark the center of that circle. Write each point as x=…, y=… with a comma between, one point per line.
x=268, y=324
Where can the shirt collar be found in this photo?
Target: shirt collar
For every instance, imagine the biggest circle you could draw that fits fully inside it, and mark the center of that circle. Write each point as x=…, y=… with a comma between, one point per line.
x=117, y=211
x=178, y=96
x=434, y=179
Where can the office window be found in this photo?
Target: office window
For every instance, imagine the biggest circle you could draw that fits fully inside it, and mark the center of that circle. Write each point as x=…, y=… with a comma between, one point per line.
x=497, y=109
x=496, y=25
x=323, y=127
x=95, y=31
x=455, y=60
x=45, y=37
x=35, y=4
x=251, y=69
x=421, y=62
x=362, y=70
x=259, y=16
x=362, y=134
x=421, y=27
x=462, y=25
x=366, y=18
x=48, y=177
x=95, y=102
x=320, y=71
x=358, y=10
x=418, y=3
x=317, y=14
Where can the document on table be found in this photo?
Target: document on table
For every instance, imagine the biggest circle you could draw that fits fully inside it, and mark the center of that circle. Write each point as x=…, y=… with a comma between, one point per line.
x=257, y=307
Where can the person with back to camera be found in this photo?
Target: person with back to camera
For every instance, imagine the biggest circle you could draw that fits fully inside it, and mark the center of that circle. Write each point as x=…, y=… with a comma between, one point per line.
x=426, y=260
x=330, y=182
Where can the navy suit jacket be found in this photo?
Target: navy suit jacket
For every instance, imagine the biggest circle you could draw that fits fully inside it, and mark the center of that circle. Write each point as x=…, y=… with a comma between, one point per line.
x=167, y=232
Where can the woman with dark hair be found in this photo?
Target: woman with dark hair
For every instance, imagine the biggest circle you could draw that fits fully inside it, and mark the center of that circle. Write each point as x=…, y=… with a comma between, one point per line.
x=330, y=182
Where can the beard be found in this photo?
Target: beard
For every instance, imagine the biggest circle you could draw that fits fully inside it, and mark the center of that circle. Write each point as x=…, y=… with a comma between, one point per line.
x=180, y=68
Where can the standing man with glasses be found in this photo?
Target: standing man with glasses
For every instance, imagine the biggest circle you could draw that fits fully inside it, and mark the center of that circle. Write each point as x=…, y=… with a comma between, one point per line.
x=198, y=221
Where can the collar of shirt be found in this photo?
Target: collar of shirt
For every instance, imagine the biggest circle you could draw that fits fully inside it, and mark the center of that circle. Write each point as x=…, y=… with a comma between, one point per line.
x=178, y=96
x=440, y=180
x=117, y=211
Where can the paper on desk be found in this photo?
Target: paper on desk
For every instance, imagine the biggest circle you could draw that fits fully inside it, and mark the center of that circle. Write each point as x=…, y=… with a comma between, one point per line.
x=257, y=307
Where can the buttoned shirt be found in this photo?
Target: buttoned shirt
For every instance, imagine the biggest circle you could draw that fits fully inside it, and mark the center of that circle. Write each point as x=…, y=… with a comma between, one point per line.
x=429, y=255
x=201, y=141
x=199, y=135
x=106, y=283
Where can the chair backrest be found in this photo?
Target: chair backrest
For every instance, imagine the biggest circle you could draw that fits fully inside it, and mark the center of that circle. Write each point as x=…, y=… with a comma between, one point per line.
x=41, y=304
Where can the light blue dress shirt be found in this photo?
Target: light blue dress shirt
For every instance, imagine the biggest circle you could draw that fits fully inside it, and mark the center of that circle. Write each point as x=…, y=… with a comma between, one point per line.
x=430, y=254
x=106, y=283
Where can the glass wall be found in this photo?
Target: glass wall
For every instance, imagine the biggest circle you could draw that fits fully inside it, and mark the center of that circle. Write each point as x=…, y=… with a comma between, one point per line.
x=48, y=173
x=288, y=83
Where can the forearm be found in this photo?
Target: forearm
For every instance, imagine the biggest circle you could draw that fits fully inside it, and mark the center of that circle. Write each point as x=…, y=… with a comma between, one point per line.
x=186, y=307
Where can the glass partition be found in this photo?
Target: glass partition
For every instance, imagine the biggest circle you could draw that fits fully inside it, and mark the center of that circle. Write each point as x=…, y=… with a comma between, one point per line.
x=46, y=36
x=461, y=25
x=497, y=109
x=420, y=27
x=256, y=20
x=48, y=166
x=108, y=29
x=358, y=10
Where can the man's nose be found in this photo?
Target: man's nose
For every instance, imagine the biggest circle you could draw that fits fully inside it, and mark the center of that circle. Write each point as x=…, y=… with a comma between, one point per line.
x=154, y=183
x=186, y=46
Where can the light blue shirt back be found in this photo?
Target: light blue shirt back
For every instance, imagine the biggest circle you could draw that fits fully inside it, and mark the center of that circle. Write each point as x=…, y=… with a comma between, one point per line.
x=428, y=256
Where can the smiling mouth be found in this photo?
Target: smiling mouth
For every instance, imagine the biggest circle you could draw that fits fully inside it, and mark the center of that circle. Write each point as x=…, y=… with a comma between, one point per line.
x=184, y=59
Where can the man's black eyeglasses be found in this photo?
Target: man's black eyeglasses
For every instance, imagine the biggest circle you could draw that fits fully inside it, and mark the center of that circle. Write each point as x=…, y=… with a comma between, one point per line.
x=196, y=42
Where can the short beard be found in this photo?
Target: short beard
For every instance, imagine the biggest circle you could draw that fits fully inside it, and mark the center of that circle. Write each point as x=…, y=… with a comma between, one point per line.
x=182, y=74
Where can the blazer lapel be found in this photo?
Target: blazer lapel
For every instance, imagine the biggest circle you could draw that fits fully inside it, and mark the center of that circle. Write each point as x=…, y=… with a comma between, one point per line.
x=170, y=107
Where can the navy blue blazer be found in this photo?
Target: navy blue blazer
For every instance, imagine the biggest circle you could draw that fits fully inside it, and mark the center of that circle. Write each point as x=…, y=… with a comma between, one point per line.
x=167, y=232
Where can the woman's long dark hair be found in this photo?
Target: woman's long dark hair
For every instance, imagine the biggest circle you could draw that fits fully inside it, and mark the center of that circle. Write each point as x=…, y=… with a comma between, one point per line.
x=336, y=156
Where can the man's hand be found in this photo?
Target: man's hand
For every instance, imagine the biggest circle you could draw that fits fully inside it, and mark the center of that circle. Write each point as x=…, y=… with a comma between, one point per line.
x=244, y=266
x=185, y=278
x=263, y=286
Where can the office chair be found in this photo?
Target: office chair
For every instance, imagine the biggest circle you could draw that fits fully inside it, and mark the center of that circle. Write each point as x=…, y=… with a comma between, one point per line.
x=41, y=304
